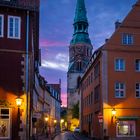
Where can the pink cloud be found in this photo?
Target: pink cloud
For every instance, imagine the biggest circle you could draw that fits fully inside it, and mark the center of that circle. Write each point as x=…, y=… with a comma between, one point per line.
x=44, y=43
x=64, y=99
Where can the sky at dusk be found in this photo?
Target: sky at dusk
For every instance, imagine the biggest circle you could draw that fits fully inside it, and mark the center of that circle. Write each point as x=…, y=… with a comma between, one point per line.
x=56, y=30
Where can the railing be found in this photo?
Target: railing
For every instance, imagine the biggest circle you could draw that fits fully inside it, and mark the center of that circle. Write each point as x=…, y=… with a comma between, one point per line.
x=32, y=5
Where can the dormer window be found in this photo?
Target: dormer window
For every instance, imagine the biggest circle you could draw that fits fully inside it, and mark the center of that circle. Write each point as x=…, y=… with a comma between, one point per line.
x=127, y=39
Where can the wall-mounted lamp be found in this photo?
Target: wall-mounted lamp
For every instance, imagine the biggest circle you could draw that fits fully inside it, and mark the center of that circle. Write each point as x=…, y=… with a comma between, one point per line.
x=55, y=121
x=113, y=118
x=46, y=119
x=113, y=112
x=18, y=102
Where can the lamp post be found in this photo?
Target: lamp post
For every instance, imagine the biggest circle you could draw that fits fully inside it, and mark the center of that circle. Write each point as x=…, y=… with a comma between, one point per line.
x=113, y=115
x=46, y=120
x=18, y=103
x=55, y=123
x=61, y=122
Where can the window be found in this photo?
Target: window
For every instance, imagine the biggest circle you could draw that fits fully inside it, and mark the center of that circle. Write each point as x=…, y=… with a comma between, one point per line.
x=96, y=93
x=126, y=128
x=14, y=27
x=137, y=65
x=127, y=39
x=1, y=25
x=96, y=70
x=119, y=65
x=91, y=77
x=79, y=65
x=4, y=123
x=119, y=90
x=137, y=90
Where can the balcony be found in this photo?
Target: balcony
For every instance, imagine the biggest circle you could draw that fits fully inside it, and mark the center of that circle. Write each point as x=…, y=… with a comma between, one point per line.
x=31, y=5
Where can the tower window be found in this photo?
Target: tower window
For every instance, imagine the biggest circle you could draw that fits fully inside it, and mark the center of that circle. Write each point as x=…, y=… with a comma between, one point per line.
x=78, y=81
x=79, y=65
x=79, y=27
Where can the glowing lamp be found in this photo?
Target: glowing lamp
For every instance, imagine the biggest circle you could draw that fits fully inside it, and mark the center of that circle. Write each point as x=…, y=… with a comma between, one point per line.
x=46, y=119
x=113, y=112
x=18, y=101
x=55, y=121
x=62, y=120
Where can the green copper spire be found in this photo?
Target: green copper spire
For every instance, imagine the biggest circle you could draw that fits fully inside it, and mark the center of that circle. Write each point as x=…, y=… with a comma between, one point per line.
x=80, y=14
x=80, y=24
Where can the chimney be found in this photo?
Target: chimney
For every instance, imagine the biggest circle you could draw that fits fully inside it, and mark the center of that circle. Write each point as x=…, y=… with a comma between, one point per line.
x=117, y=24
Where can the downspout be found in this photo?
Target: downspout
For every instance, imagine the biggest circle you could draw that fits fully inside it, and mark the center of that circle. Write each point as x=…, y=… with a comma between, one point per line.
x=27, y=75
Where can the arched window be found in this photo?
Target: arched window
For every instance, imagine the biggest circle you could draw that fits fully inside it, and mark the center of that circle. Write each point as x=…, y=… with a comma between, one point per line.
x=78, y=81
x=79, y=65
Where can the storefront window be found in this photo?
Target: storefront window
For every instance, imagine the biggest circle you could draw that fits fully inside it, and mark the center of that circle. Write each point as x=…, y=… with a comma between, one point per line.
x=126, y=128
x=4, y=123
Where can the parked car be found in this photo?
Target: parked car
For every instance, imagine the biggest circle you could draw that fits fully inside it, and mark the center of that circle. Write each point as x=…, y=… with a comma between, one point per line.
x=77, y=129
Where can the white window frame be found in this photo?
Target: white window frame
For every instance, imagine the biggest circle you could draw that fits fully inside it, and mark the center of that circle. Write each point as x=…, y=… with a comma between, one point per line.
x=2, y=27
x=9, y=130
x=119, y=69
x=126, y=135
x=139, y=65
x=137, y=90
x=129, y=39
x=19, y=30
x=120, y=90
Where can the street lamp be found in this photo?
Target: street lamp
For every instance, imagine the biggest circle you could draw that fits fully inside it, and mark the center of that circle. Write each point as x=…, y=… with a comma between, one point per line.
x=113, y=118
x=46, y=119
x=62, y=120
x=113, y=112
x=55, y=121
x=18, y=102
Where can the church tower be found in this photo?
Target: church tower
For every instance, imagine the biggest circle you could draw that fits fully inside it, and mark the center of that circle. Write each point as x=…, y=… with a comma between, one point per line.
x=80, y=51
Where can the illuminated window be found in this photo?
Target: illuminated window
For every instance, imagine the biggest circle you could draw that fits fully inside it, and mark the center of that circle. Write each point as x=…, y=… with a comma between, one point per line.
x=126, y=128
x=119, y=90
x=119, y=65
x=1, y=25
x=138, y=90
x=4, y=123
x=137, y=64
x=14, y=27
x=127, y=39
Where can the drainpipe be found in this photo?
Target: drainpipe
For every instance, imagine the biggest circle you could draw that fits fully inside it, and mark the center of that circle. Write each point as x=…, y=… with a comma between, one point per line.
x=27, y=75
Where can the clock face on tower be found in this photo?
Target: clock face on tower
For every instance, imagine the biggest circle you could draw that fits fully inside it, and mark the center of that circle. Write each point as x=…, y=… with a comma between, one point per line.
x=79, y=49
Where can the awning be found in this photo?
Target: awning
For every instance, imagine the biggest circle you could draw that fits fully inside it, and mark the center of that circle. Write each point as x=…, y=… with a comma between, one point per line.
x=128, y=118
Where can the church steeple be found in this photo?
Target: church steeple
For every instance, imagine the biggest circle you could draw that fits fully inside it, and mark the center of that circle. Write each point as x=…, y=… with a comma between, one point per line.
x=80, y=49
x=80, y=14
x=80, y=24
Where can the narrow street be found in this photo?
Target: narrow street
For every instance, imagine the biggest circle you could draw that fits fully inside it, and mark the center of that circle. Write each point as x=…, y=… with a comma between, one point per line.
x=65, y=136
